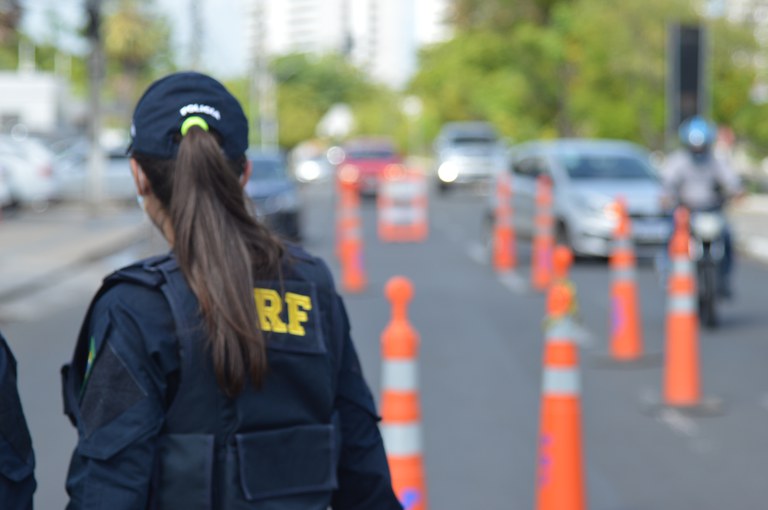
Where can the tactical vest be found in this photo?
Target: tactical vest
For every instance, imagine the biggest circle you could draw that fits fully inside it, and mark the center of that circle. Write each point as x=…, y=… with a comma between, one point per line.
x=17, y=460
x=273, y=448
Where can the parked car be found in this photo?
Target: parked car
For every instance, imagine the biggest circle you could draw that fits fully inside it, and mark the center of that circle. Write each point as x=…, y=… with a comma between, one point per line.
x=27, y=165
x=366, y=160
x=466, y=153
x=275, y=194
x=5, y=190
x=588, y=176
x=72, y=178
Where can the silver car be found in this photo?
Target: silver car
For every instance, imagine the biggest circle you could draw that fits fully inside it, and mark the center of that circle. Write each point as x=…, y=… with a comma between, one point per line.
x=467, y=153
x=588, y=176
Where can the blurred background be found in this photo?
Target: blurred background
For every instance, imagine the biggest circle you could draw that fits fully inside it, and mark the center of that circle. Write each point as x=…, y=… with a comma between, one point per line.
x=446, y=96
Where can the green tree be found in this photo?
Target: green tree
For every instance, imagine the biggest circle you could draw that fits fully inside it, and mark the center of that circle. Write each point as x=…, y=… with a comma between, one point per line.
x=137, y=45
x=308, y=86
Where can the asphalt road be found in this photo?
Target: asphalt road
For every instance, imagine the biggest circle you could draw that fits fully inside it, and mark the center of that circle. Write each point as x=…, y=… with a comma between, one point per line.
x=480, y=374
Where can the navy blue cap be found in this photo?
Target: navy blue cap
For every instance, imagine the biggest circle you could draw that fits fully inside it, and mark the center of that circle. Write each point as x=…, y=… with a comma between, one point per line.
x=168, y=102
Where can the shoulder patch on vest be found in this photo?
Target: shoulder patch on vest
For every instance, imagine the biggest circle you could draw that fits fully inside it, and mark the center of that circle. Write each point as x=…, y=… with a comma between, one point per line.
x=110, y=390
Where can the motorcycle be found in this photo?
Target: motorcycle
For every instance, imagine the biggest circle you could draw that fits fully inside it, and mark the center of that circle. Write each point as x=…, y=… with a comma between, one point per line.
x=707, y=251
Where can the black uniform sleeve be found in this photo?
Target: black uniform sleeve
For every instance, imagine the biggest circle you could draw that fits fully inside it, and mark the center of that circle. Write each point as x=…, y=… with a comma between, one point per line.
x=363, y=473
x=122, y=398
x=17, y=461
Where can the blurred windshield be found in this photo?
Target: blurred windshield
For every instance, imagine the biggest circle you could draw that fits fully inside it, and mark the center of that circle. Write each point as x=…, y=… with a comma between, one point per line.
x=472, y=140
x=605, y=167
x=266, y=169
x=370, y=154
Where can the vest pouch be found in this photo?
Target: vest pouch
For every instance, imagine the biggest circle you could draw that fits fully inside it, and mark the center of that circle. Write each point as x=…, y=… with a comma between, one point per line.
x=289, y=464
x=185, y=472
x=11, y=466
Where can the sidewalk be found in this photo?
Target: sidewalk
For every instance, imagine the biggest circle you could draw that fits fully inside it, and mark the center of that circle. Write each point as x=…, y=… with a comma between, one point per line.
x=38, y=247
x=750, y=224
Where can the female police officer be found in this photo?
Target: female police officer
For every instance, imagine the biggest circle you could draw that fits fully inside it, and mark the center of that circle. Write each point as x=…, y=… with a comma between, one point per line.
x=221, y=375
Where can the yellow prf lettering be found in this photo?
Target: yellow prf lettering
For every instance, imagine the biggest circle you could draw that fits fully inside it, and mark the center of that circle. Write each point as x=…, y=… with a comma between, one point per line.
x=298, y=306
x=269, y=305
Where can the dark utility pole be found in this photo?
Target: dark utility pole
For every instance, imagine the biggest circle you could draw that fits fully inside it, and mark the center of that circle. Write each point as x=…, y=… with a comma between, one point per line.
x=95, y=82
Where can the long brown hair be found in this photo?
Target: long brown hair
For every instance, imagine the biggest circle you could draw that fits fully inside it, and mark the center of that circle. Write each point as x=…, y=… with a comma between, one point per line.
x=221, y=250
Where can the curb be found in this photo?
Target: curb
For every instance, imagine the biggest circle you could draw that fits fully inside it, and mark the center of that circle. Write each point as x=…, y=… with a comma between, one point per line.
x=57, y=273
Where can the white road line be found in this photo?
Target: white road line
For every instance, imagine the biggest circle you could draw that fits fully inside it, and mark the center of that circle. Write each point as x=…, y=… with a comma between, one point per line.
x=478, y=253
x=757, y=246
x=514, y=282
x=678, y=422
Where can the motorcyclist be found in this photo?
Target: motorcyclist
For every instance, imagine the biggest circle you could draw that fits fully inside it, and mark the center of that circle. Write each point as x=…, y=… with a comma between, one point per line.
x=695, y=178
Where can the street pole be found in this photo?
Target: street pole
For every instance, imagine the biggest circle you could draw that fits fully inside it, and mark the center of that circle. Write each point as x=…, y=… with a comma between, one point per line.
x=95, y=81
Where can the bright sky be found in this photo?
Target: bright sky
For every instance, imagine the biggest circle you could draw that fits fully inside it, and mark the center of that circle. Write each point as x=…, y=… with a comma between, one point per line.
x=224, y=48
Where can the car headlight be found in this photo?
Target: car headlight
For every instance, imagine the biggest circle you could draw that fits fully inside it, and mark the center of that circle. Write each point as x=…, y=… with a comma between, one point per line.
x=308, y=171
x=447, y=172
x=596, y=206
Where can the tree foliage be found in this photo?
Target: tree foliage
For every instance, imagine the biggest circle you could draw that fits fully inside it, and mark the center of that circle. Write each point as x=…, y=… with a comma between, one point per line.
x=544, y=68
x=308, y=86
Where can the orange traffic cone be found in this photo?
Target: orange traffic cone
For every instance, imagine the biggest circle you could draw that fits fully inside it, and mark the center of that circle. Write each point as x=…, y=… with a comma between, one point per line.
x=626, y=342
x=543, y=236
x=400, y=409
x=560, y=479
x=350, y=242
x=504, y=231
x=681, y=371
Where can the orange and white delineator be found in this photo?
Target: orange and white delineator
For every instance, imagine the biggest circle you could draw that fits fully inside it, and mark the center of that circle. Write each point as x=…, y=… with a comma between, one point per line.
x=402, y=205
x=349, y=238
x=400, y=409
x=543, y=235
x=560, y=472
x=504, y=258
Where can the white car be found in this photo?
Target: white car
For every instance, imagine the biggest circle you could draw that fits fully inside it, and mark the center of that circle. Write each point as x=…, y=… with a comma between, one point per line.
x=5, y=190
x=72, y=179
x=589, y=176
x=27, y=165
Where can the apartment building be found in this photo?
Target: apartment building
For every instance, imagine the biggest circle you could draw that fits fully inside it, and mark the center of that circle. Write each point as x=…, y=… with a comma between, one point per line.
x=380, y=36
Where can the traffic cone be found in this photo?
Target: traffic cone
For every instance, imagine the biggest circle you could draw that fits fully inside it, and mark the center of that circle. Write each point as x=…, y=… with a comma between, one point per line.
x=626, y=341
x=400, y=409
x=560, y=478
x=543, y=237
x=681, y=369
x=350, y=242
x=504, y=231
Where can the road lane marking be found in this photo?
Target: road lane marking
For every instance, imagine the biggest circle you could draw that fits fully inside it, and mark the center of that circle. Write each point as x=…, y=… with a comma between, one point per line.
x=477, y=253
x=514, y=282
x=679, y=423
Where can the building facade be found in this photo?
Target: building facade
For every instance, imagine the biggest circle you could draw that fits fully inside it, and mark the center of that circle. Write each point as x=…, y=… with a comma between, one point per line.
x=380, y=36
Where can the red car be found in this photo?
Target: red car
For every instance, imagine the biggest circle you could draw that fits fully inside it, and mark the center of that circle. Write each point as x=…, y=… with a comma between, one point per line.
x=366, y=160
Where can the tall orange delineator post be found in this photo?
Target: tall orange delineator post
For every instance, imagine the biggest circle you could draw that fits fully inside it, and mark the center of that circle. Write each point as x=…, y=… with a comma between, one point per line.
x=681, y=368
x=402, y=206
x=543, y=236
x=504, y=258
x=400, y=408
x=626, y=336
x=560, y=478
x=349, y=238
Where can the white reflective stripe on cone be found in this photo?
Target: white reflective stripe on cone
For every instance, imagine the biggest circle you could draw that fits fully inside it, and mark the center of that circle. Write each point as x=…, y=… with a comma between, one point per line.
x=400, y=375
x=682, y=266
x=624, y=274
x=561, y=330
x=682, y=304
x=561, y=381
x=401, y=440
